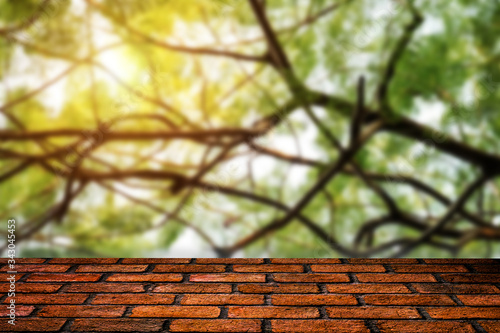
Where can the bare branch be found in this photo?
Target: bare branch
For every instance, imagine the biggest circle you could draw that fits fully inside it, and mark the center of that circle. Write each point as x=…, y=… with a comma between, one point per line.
x=446, y=217
x=396, y=55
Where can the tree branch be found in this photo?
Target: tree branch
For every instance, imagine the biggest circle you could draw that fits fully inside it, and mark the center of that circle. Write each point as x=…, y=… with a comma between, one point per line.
x=453, y=209
x=396, y=55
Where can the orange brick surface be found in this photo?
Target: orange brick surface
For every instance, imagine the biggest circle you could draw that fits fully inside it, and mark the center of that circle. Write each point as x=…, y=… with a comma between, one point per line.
x=252, y=295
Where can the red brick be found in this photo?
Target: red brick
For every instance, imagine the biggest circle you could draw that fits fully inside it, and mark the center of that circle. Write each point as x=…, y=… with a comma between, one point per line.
x=111, y=268
x=278, y=289
x=471, y=278
x=4, y=277
x=81, y=311
x=409, y=300
x=23, y=260
x=424, y=326
x=372, y=312
x=156, y=261
x=464, y=312
x=38, y=268
x=391, y=278
x=487, y=268
x=305, y=261
x=218, y=325
x=272, y=312
x=360, y=288
x=461, y=261
x=31, y=287
x=225, y=299
x=176, y=311
x=145, y=277
x=83, y=260
x=429, y=268
x=310, y=277
x=490, y=326
x=347, y=268
x=117, y=325
x=133, y=299
x=32, y=324
x=305, y=300
x=438, y=288
x=321, y=325
x=21, y=310
x=105, y=288
x=229, y=261
x=383, y=261
x=190, y=268
x=227, y=277
x=49, y=298
x=480, y=300
x=270, y=268
x=204, y=288
x=294, y=295
x=63, y=277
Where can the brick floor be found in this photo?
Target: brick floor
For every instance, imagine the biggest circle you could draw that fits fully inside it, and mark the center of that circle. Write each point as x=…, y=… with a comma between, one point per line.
x=253, y=295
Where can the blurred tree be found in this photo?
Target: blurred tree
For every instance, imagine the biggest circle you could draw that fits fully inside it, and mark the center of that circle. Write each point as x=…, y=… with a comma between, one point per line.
x=354, y=128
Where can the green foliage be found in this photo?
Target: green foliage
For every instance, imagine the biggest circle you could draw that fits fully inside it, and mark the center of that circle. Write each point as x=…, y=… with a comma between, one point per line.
x=12, y=11
x=450, y=64
x=169, y=234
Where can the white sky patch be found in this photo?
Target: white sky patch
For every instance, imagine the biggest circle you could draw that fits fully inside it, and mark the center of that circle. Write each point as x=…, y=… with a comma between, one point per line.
x=359, y=59
x=320, y=80
x=63, y=241
x=150, y=236
x=22, y=74
x=134, y=192
x=286, y=144
x=496, y=220
x=428, y=112
x=78, y=6
x=189, y=245
x=430, y=26
x=191, y=33
x=469, y=93
x=54, y=96
x=116, y=61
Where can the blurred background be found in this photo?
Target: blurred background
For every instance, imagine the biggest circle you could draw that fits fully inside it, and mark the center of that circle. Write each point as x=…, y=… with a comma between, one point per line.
x=219, y=128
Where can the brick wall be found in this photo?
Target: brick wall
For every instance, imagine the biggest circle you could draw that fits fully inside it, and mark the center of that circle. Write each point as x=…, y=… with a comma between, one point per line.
x=254, y=295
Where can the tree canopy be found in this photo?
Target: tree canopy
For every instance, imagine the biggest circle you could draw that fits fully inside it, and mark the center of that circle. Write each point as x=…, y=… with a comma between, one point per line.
x=271, y=128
